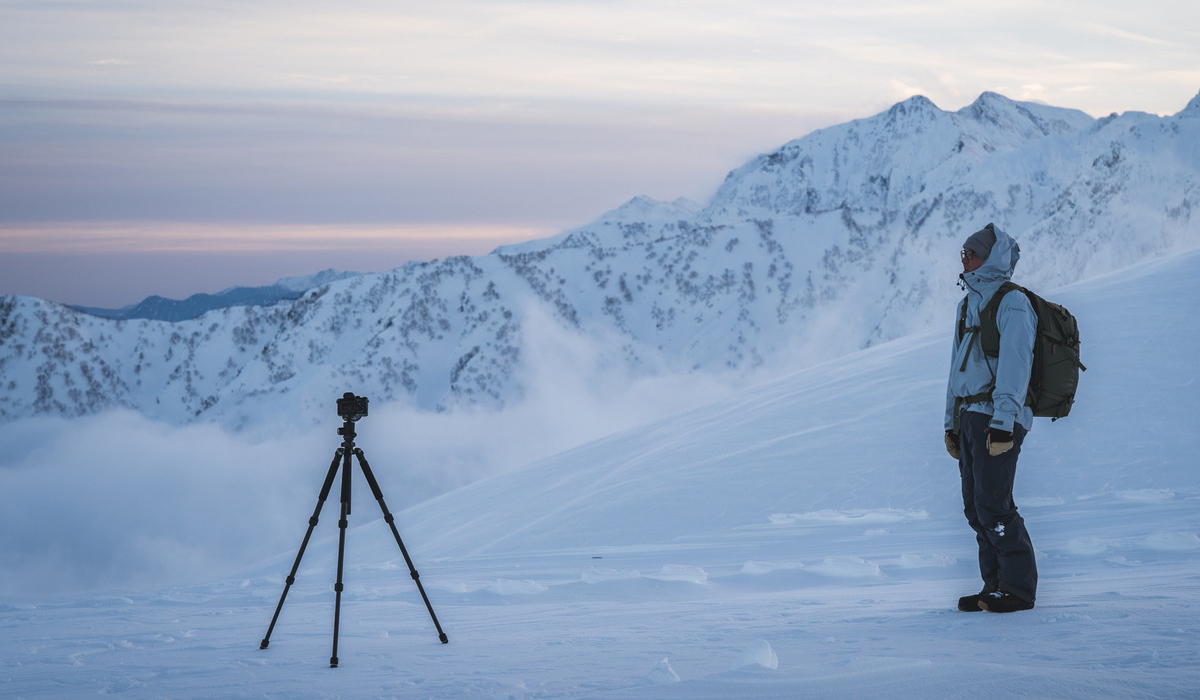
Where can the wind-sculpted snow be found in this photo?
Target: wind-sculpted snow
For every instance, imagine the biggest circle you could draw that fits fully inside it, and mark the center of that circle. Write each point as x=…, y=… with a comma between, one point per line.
x=834, y=242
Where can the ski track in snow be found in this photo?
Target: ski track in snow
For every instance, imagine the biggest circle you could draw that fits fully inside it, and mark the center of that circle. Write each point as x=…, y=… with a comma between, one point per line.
x=802, y=539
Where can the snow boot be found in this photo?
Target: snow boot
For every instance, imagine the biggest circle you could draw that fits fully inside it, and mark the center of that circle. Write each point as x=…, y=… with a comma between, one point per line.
x=1001, y=602
x=970, y=603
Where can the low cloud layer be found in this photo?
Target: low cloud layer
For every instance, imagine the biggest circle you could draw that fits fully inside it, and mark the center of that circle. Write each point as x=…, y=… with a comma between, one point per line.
x=116, y=500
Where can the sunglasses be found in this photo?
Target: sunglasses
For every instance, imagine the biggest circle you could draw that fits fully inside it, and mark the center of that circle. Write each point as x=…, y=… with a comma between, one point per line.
x=967, y=255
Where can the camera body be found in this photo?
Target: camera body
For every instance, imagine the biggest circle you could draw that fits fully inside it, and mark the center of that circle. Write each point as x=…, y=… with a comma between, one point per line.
x=351, y=407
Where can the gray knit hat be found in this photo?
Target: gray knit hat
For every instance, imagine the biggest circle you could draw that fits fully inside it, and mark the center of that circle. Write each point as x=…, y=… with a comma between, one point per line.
x=982, y=241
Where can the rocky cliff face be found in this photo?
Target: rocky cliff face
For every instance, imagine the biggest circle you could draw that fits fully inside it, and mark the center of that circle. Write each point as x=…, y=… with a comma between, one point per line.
x=842, y=239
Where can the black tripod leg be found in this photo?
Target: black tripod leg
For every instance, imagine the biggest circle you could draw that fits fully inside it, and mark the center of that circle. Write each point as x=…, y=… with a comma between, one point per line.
x=391, y=521
x=337, y=602
x=312, y=523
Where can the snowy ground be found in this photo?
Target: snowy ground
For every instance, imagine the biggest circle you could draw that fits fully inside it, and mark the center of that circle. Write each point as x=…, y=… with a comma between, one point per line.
x=802, y=539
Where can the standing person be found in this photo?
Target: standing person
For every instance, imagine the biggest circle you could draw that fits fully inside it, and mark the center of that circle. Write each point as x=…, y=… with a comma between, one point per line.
x=987, y=419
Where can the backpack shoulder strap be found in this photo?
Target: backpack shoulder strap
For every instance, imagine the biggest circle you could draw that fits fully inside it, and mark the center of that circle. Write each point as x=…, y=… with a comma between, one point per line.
x=993, y=304
x=989, y=329
x=962, y=319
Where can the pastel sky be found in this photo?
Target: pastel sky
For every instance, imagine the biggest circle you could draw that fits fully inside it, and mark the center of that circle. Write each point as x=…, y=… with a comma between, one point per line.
x=181, y=147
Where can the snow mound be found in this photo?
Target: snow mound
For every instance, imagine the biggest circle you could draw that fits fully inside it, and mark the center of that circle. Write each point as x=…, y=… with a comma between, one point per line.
x=851, y=516
x=595, y=575
x=507, y=587
x=759, y=654
x=680, y=572
x=847, y=567
x=661, y=673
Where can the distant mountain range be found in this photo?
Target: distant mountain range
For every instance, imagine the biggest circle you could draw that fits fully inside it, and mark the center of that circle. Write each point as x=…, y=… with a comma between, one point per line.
x=839, y=240
x=156, y=308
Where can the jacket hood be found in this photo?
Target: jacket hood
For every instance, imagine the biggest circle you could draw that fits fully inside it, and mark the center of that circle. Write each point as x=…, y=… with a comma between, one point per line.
x=998, y=268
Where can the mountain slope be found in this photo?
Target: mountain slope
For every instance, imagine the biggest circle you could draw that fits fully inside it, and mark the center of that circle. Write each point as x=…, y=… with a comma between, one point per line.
x=860, y=432
x=837, y=241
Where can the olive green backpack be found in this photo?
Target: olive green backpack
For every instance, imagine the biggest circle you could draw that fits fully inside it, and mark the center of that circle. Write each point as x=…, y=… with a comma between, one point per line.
x=1056, y=366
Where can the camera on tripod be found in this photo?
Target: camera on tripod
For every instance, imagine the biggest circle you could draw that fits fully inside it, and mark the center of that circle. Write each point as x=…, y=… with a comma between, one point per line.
x=351, y=407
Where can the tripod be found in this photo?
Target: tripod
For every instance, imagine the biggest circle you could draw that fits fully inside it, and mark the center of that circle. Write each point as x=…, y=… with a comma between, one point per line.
x=350, y=408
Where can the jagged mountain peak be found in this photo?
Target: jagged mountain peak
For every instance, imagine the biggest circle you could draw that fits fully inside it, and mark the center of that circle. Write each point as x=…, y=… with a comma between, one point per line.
x=872, y=161
x=1020, y=122
x=885, y=157
x=1192, y=110
x=987, y=98
x=906, y=119
x=994, y=109
x=919, y=104
x=990, y=105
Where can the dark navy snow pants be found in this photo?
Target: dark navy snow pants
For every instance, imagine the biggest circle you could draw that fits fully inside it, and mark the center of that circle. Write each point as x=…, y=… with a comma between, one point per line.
x=1006, y=558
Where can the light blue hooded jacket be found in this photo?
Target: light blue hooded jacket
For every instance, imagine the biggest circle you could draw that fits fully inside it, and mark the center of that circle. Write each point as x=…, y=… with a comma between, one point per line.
x=1007, y=376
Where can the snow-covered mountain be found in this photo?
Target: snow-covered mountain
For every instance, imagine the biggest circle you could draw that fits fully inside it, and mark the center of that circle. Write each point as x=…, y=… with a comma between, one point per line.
x=834, y=242
x=156, y=308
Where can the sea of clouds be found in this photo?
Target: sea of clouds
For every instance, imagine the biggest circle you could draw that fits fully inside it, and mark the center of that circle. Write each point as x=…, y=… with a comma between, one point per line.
x=117, y=500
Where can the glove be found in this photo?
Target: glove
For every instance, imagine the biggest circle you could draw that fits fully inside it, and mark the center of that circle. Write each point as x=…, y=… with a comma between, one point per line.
x=952, y=444
x=998, y=442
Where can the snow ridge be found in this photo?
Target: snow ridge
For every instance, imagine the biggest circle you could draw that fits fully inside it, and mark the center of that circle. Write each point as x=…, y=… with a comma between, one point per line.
x=834, y=242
